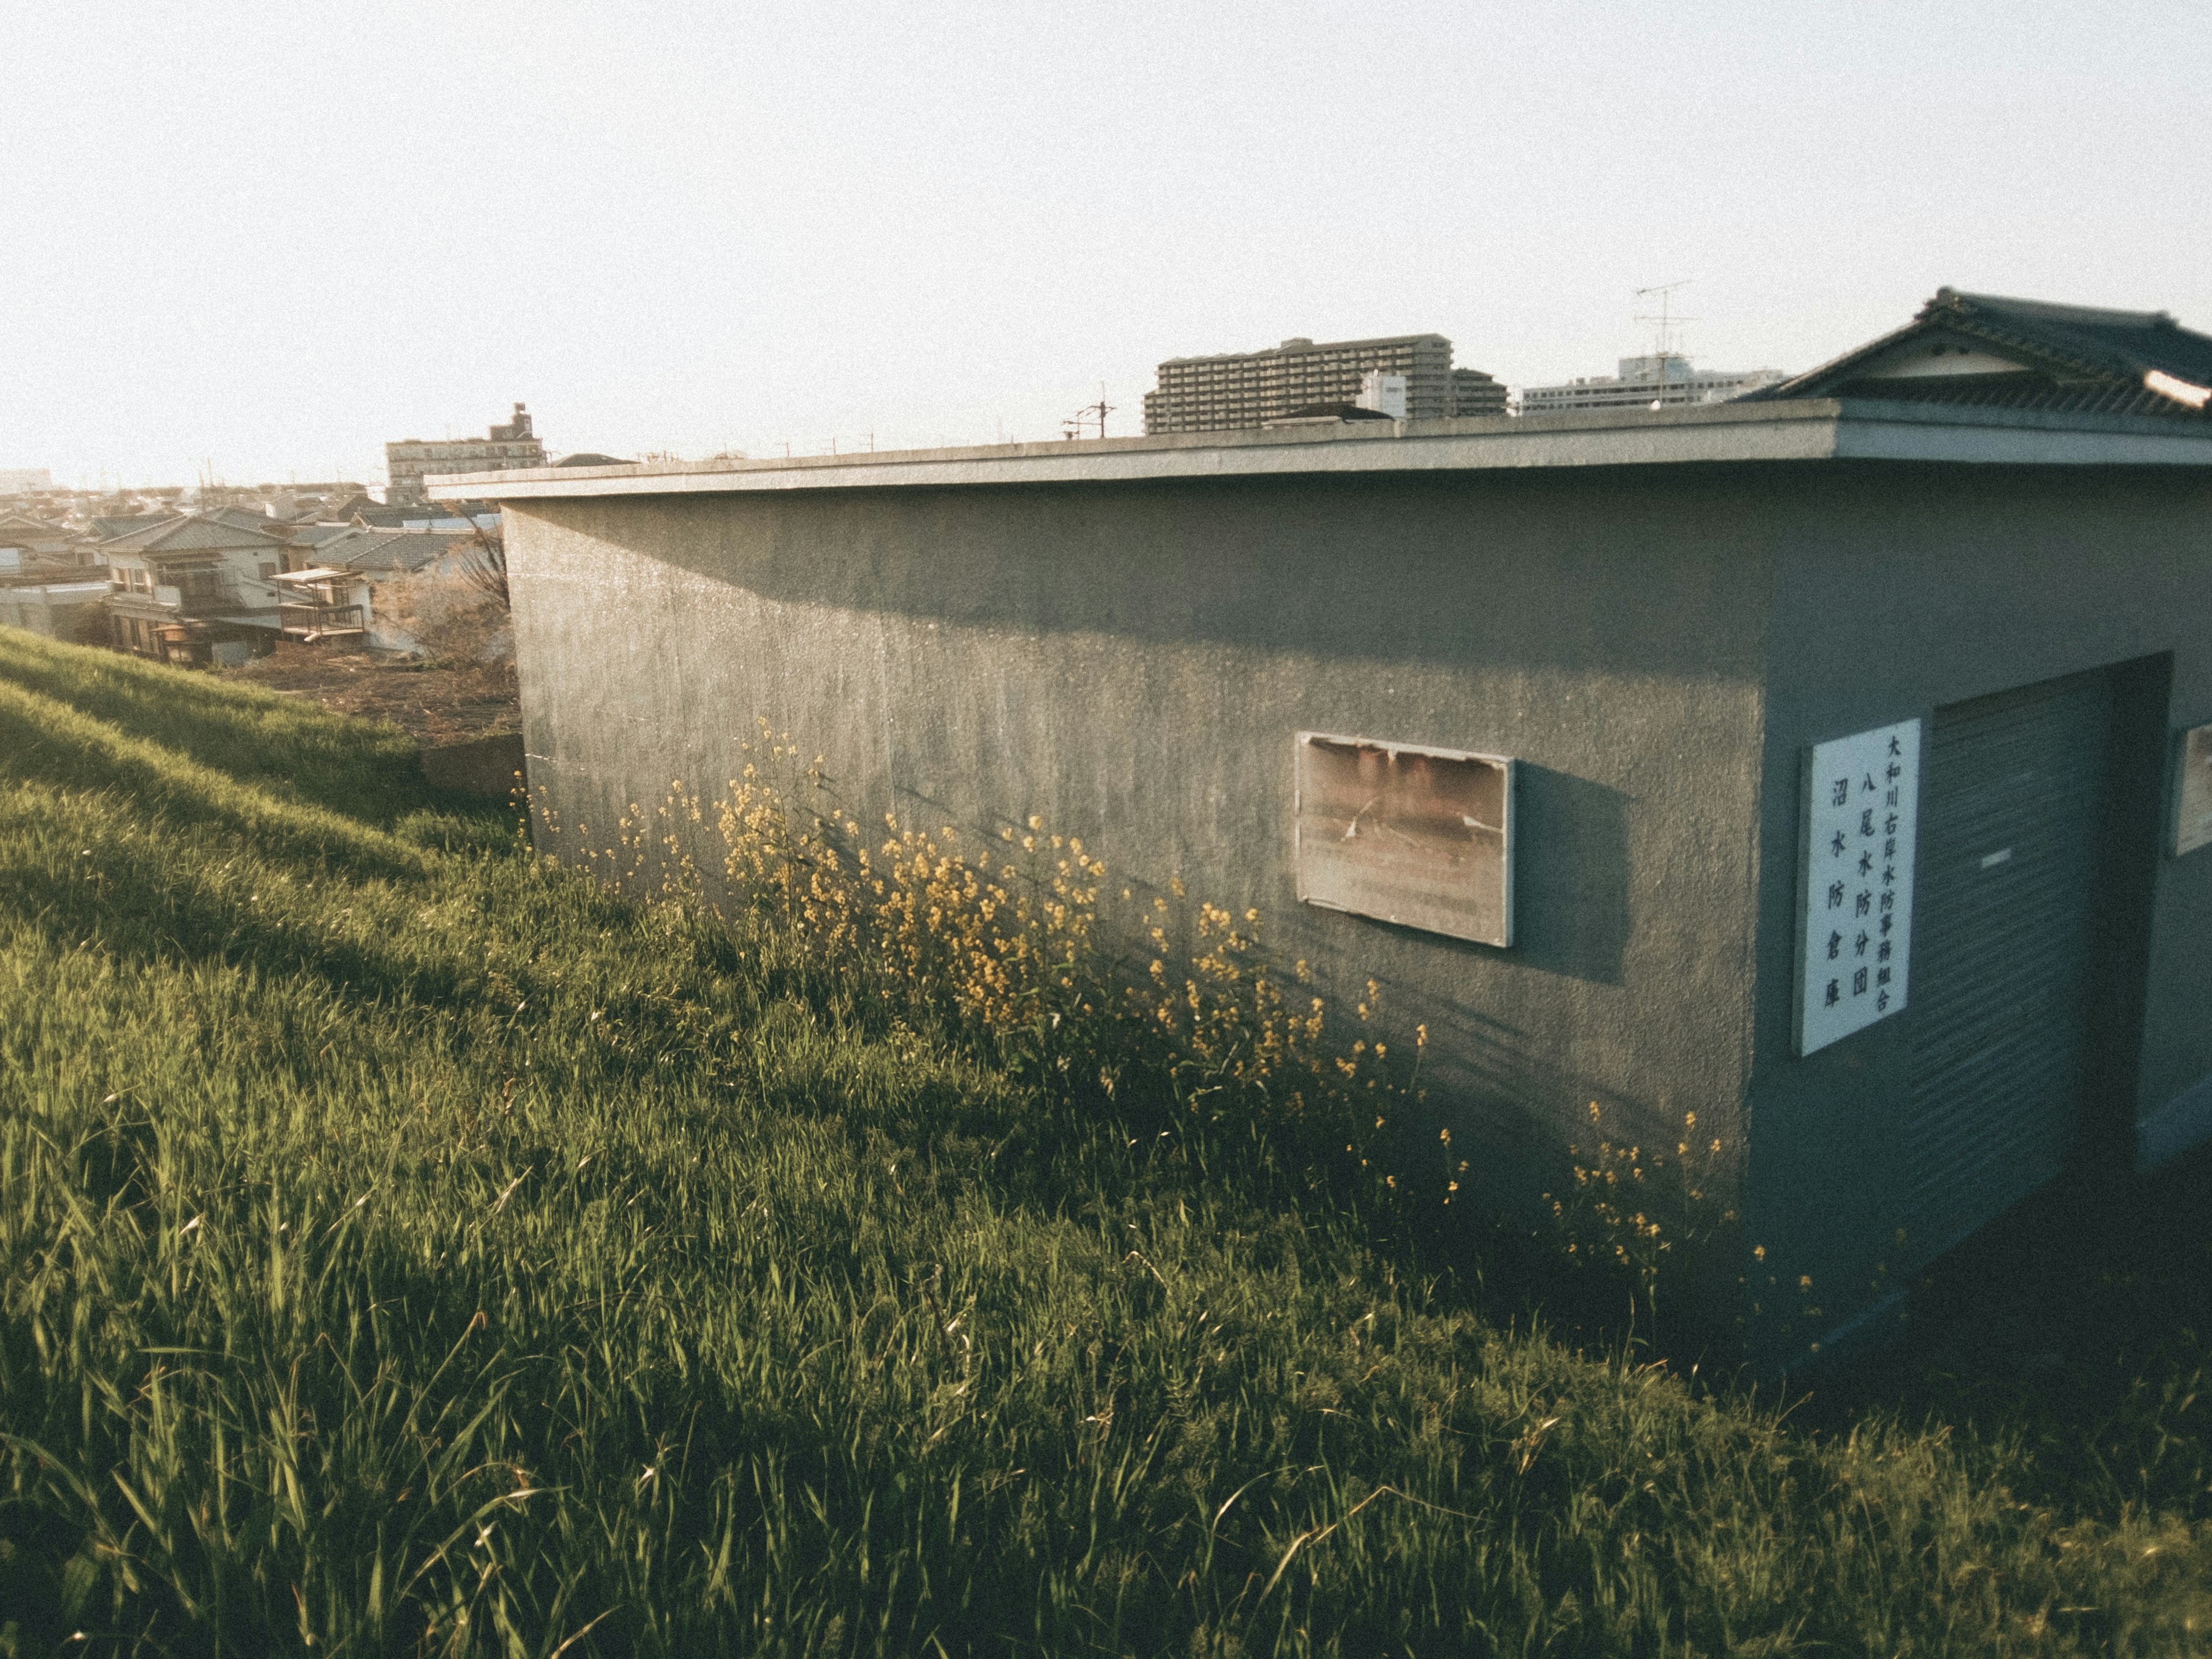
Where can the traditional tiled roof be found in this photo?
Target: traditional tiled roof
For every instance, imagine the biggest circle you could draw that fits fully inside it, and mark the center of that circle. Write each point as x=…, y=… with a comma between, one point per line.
x=314, y=535
x=2024, y=353
x=49, y=545
x=110, y=525
x=189, y=532
x=241, y=517
x=366, y=548
x=25, y=525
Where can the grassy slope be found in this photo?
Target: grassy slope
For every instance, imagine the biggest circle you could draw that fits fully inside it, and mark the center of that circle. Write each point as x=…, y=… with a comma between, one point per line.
x=404, y=1241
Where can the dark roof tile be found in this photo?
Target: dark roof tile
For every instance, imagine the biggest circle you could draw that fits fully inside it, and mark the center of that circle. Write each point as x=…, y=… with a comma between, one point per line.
x=2069, y=357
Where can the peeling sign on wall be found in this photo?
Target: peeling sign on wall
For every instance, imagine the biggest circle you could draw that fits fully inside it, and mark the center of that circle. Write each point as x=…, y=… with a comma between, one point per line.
x=1406, y=834
x=2192, y=804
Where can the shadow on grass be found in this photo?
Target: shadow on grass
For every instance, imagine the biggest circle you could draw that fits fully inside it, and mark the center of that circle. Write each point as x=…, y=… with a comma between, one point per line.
x=2080, y=1323
x=139, y=907
x=367, y=772
x=40, y=755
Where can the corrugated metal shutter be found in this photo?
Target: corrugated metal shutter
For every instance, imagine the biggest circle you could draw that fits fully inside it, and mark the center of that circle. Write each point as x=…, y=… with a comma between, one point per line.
x=2012, y=815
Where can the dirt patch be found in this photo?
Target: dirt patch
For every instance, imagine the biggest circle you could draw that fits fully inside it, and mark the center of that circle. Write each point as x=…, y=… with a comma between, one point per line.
x=435, y=700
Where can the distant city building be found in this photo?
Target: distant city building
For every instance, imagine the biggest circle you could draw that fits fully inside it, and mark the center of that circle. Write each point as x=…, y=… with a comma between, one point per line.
x=407, y=463
x=292, y=501
x=1474, y=393
x=1383, y=393
x=16, y=480
x=1660, y=381
x=1241, y=390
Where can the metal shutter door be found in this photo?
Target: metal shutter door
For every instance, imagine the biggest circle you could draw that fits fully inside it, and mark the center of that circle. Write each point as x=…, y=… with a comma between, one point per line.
x=2011, y=824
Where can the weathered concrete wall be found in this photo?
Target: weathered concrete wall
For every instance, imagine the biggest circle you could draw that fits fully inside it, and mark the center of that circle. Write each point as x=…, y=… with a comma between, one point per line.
x=1655, y=645
x=1131, y=662
x=1906, y=588
x=78, y=618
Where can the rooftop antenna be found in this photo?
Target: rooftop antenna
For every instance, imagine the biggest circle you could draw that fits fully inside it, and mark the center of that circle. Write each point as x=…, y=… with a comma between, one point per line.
x=1665, y=318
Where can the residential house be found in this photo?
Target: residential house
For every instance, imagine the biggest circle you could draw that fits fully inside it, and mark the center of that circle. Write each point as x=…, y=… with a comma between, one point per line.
x=28, y=542
x=322, y=602
x=193, y=588
x=48, y=581
x=371, y=583
x=1989, y=352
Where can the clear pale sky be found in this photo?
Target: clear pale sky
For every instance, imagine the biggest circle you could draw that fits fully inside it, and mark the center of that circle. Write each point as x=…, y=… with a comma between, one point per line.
x=267, y=237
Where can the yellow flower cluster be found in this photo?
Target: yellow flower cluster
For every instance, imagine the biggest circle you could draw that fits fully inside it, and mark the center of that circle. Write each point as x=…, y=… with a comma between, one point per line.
x=1009, y=941
x=1622, y=1214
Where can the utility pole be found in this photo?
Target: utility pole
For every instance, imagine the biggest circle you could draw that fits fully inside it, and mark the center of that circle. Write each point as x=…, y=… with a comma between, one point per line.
x=1073, y=427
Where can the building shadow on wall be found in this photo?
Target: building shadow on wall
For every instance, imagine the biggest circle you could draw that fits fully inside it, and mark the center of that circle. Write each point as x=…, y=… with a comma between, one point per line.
x=1254, y=564
x=1571, y=875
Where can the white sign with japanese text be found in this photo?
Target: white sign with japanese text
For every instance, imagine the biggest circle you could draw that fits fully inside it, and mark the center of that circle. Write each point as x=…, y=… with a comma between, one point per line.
x=1860, y=816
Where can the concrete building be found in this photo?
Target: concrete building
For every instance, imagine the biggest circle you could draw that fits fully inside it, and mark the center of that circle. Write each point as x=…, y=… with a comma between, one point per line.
x=1242, y=390
x=1637, y=653
x=22, y=480
x=407, y=463
x=1384, y=394
x=1475, y=394
x=1663, y=380
x=70, y=608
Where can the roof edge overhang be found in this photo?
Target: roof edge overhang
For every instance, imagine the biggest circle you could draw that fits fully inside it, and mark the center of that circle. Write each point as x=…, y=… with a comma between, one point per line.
x=1734, y=434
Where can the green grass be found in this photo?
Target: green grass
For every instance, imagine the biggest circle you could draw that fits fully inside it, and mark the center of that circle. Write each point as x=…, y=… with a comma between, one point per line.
x=408, y=1249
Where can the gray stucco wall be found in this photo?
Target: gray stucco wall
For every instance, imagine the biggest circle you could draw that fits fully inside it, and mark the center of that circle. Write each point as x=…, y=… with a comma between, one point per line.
x=1905, y=588
x=1131, y=661
x=1655, y=645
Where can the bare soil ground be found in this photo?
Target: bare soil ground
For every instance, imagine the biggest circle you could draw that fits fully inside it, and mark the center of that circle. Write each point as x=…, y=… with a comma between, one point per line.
x=435, y=700
x=462, y=686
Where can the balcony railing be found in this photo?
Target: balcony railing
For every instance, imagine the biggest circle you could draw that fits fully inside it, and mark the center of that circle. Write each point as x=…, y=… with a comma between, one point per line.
x=191, y=599
x=317, y=619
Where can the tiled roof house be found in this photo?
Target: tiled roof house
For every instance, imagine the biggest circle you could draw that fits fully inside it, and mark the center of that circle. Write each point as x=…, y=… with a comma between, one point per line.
x=1996, y=353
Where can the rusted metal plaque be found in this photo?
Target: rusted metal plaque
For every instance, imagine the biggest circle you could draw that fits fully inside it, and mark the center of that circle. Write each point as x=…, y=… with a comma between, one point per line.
x=1405, y=833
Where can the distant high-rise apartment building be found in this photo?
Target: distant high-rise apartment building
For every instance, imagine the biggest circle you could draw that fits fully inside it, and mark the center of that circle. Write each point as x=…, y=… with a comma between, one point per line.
x=1251, y=388
x=15, y=480
x=1474, y=393
x=1659, y=381
x=508, y=445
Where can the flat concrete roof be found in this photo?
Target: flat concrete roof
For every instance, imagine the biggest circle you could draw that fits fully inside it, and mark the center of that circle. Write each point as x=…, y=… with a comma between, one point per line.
x=1811, y=430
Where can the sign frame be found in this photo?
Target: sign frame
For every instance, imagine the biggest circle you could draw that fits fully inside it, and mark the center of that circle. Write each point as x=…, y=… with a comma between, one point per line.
x=1355, y=893
x=1856, y=856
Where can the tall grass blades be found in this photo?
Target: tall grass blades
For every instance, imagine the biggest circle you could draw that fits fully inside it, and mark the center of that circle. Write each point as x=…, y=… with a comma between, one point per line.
x=410, y=1248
